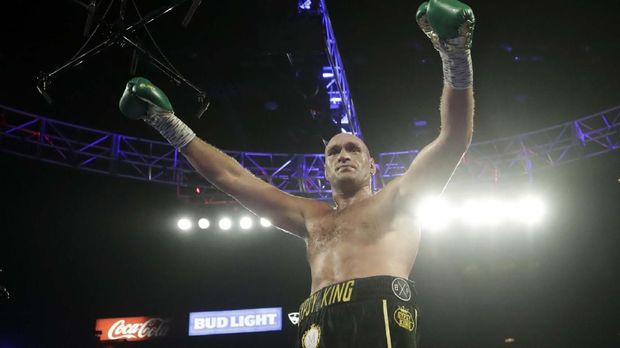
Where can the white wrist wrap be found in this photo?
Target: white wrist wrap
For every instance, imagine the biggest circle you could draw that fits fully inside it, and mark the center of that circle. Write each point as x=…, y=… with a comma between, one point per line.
x=457, y=68
x=171, y=127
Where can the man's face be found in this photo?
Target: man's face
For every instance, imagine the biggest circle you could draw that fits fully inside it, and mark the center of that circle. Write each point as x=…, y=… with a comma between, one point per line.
x=348, y=161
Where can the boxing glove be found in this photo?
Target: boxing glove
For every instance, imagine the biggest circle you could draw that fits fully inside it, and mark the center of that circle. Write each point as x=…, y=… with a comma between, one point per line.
x=448, y=23
x=143, y=100
x=139, y=95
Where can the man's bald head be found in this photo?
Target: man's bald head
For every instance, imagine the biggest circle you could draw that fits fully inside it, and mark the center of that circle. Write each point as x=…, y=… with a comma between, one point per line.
x=343, y=138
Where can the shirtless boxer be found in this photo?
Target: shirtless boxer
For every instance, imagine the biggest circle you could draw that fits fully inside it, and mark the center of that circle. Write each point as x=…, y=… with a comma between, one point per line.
x=361, y=250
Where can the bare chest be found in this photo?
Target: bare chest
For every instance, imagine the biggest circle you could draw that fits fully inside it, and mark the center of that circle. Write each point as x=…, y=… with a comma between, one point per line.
x=361, y=223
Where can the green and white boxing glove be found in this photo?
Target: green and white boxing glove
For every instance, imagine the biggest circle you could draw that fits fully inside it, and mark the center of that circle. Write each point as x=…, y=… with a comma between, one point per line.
x=450, y=26
x=143, y=100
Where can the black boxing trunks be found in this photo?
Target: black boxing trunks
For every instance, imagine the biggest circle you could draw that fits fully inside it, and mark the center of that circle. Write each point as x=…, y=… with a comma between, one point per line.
x=373, y=312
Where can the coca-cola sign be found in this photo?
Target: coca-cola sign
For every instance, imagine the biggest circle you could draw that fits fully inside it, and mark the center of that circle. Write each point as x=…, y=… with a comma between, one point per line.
x=132, y=328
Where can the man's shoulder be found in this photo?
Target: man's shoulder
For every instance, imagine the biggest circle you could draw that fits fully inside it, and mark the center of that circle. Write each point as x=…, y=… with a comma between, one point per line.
x=314, y=208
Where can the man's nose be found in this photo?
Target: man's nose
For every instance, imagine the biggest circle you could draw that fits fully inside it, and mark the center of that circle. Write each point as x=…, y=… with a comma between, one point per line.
x=343, y=156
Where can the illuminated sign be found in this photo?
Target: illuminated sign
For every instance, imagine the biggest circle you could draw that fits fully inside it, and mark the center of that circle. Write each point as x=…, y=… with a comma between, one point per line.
x=235, y=321
x=131, y=328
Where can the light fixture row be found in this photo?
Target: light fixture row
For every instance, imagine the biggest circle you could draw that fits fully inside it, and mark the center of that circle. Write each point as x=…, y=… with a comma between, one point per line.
x=224, y=223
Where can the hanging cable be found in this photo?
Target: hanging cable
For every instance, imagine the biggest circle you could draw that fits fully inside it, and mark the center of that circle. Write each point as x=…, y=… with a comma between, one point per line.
x=92, y=34
x=153, y=40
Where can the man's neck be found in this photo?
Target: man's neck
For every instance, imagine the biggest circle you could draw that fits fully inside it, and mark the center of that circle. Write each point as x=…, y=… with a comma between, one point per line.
x=345, y=199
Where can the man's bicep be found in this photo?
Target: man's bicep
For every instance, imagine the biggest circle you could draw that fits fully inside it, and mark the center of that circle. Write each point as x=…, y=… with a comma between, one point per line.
x=431, y=170
x=282, y=209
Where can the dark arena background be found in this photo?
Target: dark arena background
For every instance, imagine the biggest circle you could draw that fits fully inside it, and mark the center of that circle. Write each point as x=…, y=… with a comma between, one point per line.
x=90, y=224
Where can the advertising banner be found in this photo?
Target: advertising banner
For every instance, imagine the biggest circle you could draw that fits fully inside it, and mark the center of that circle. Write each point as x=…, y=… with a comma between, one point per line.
x=235, y=321
x=132, y=328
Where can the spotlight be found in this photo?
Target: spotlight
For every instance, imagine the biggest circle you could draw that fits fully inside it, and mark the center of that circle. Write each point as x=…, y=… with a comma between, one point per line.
x=483, y=212
x=204, y=223
x=245, y=223
x=530, y=210
x=304, y=5
x=225, y=223
x=264, y=222
x=495, y=211
x=328, y=72
x=184, y=224
x=434, y=213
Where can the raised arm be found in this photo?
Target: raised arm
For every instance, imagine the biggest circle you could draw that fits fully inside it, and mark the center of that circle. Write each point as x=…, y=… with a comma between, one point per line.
x=143, y=100
x=449, y=24
x=284, y=210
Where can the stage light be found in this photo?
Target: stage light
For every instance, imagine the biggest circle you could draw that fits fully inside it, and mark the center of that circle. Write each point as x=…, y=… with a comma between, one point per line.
x=265, y=223
x=483, y=212
x=204, y=223
x=434, y=213
x=495, y=211
x=328, y=72
x=245, y=223
x=530, y=210
x=184, y=224
x=225, y=223
x=304, y=4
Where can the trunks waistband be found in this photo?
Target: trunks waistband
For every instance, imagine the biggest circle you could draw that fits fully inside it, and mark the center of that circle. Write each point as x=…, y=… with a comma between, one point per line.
x=359, y=290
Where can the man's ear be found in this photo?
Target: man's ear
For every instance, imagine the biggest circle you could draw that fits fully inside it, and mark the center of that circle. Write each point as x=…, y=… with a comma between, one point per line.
x=373, y=166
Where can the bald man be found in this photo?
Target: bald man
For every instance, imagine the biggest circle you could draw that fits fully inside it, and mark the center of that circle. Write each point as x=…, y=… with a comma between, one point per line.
x=361, y=249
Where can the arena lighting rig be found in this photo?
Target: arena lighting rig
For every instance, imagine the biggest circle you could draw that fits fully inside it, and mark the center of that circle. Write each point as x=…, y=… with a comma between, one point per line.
x=516, y=157
x=438, y=213
x=224, y=223
x=434, y=213
x=119, y=33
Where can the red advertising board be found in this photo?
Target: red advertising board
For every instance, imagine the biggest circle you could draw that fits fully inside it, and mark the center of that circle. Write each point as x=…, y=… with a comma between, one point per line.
x=131, y=328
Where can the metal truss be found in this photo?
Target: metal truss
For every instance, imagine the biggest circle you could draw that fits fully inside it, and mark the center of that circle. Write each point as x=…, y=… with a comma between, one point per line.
x=300, y=174
x=68, y=145
x=524, y=154
x=337, y=86
x=32, y=136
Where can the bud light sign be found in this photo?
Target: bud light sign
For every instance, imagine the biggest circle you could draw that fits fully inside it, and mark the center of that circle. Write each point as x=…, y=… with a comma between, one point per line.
x=236, y=321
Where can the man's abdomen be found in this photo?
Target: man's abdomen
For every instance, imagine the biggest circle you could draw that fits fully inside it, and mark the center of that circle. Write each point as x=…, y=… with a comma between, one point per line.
x=392, y=255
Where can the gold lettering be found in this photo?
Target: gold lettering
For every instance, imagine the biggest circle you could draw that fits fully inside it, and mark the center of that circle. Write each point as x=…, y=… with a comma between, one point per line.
x=337, y=295
x=326, y=294
x=404, y=318
x=348, y=290
x=314, y=297
x=334, y=294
